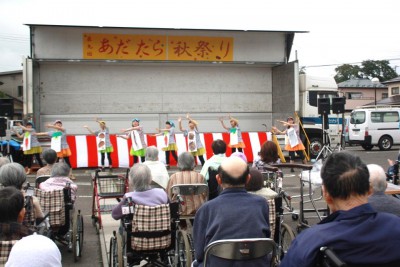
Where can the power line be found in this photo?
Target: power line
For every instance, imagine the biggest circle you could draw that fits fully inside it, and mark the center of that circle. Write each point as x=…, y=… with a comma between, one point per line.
x=331, y=65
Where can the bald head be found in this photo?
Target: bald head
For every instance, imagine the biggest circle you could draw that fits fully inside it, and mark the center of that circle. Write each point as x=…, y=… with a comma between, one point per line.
x=377, y=177
x=233, y=171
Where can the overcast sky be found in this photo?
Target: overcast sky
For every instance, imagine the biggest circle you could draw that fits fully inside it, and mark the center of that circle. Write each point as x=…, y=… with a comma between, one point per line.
x=340, y=31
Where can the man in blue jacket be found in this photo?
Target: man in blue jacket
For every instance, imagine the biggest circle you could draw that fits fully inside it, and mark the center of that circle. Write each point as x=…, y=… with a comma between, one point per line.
x=233, y=214
x=354, y=230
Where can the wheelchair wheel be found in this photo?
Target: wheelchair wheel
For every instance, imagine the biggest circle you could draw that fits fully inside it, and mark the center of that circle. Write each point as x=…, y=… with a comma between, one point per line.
x=287, y=236
x=77, y=236
x=112, y=253
x=184, y=250
x=116, y=251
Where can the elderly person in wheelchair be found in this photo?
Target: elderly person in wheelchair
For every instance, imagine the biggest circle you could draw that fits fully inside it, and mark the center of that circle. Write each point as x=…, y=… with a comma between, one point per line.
x=13, y=174
x=186, y=176
x=60, y=179
x=234, y=214
x=354, y=231
x=141, y=191
x=12, y=212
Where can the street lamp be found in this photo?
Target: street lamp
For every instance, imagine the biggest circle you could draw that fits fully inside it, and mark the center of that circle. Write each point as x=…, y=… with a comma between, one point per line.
x=375, y=82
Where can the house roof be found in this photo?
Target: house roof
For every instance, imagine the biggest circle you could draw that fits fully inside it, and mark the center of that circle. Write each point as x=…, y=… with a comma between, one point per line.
x=360, y=83
x=394, y=80
x=390, y=101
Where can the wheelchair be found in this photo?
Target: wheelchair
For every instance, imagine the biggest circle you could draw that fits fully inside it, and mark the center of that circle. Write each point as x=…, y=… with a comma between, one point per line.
x=328, y=258
x=242, y=250
x=188, y=196
x=146, y=234
x=65, y=223
x=164, y=244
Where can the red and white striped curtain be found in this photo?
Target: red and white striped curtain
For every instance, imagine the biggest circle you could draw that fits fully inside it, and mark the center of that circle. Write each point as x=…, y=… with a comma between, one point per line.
x=84, y=149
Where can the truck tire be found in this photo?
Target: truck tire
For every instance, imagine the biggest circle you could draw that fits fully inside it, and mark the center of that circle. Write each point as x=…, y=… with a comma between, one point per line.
x=385, y=143
x=315, y=146
x=367, y=147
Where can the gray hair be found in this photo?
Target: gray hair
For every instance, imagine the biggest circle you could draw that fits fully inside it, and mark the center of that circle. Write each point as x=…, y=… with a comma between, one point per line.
x=50, y=156
x=186, y=162
x=4, y=161
x=60, y=169
x=140, y=178
x=377, y=177
x=151, y=153
x=12, y=174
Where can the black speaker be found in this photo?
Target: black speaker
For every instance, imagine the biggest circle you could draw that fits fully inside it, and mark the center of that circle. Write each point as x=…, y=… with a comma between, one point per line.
x=338, y=105
x=324, y=106
x=7, y=107
x=3, y=127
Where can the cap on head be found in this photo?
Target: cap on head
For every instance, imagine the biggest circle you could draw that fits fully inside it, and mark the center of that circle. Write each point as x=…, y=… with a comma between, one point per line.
x=170, y=123
x=290, y=118
x=136, y=119
x=30, y=123
x=57, y=121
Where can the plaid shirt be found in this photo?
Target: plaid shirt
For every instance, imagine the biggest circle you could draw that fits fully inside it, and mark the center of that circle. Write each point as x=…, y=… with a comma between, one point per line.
x=10, y=233
x=192, y=203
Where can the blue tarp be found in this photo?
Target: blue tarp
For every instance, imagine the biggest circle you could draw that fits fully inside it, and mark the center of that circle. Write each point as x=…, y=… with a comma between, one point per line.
x=14, y=144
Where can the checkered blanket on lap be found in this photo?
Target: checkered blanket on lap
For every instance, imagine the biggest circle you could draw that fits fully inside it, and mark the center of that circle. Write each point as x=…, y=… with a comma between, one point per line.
x=52, y=202
x=272, y=216
x=151, y=220
x=5, y=249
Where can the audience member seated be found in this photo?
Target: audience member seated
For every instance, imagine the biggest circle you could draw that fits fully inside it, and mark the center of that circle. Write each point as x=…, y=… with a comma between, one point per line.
x=354, y=231
x=13, y=174
x=268, y=155
x=50, y=156
x=255, y=185
x=159, y=172
x=240, y=155
x=378, y=200
x=35, y=251
x=12, y=214
x=59, y=180
x=141, y=191
x=211, y=165
x=393, y=167
x=186, y=175
x=233, y=214
x=4, y=161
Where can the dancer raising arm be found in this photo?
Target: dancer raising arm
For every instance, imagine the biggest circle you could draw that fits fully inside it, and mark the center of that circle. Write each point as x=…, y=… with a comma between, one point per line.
x=195, y=146
x=138, y=148
x=293, y=148
x=59, y=142
x=107, y=148
x=169, y=137
x=236, y=141
x=34, y=148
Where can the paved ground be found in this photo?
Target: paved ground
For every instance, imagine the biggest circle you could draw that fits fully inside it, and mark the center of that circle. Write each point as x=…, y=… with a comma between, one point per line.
x=96, y=245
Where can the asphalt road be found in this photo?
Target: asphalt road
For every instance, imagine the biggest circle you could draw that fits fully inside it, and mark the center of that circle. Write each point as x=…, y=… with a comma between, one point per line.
x=91, y=255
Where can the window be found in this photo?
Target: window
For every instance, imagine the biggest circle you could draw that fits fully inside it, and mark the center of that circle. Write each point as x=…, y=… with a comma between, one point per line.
x=389, y=116
x=385, y=95
x=20, y=90
x=395, y=90
x=357, y=117
x=354, y=95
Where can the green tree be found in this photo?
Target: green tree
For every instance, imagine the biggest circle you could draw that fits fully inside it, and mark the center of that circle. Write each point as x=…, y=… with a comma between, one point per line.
x=346, y=72
x=368, y=69
x=379, y=69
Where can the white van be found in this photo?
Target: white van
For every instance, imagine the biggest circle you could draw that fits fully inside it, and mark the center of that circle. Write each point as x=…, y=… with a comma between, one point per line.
x=375, y=126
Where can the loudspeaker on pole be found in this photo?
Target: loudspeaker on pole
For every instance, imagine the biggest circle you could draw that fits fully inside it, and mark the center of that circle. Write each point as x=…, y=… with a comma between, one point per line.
x=338, y=105
x=324, y=106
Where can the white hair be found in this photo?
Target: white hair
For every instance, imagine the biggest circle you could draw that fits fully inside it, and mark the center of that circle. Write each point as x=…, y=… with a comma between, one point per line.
x=377, y=177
